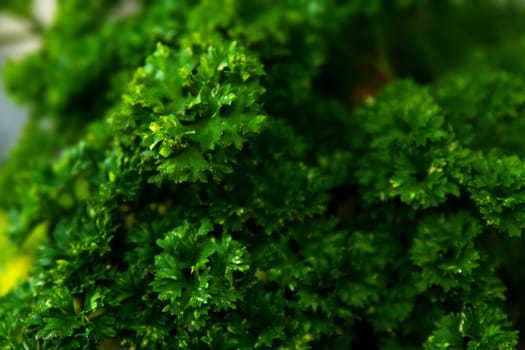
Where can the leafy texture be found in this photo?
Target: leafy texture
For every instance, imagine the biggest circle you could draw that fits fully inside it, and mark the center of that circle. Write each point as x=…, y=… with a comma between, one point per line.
x=274, y=175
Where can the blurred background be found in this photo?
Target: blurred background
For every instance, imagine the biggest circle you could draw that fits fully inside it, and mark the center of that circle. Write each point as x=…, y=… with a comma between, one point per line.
x=15, y=41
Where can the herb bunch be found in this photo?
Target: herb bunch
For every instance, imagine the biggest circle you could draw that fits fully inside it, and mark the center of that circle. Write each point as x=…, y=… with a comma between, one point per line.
x=303, y=174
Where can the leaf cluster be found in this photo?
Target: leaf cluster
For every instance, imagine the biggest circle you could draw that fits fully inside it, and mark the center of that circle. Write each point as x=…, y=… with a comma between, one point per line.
x=204, y=180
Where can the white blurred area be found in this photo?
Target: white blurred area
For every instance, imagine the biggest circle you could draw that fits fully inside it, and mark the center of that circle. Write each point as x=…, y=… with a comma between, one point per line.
x=16, y=40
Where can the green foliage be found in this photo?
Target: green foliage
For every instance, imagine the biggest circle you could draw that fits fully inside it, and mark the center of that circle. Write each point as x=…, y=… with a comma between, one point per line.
x=411, y=159
x=17, y=7
x=479, y=327
x=201, y=102
x=234, y=175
